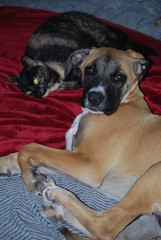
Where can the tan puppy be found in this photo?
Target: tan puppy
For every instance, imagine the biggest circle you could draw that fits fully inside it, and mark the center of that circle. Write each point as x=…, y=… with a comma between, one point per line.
x=117, y=150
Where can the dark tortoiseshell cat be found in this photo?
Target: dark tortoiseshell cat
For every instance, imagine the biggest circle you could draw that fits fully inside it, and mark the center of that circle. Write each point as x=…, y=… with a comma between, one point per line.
x=50, y=45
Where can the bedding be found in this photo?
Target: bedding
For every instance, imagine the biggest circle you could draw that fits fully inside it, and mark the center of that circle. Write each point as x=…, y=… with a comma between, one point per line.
x=25, y=119
x=139, y=14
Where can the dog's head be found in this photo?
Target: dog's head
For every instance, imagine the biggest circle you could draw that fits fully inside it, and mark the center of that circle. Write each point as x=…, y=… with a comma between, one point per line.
x=109, y=76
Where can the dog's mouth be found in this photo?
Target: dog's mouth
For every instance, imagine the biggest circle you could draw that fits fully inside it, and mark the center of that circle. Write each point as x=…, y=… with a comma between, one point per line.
x=93, y=108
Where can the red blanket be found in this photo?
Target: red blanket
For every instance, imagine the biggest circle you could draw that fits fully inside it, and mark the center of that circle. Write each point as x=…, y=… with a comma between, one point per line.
x=24, y=119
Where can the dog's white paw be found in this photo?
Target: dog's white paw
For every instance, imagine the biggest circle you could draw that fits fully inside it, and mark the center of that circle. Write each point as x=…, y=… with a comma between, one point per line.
x=53, y=197
x=38, y=182
x=46, y=194
x=51, y=208
x=54, y=212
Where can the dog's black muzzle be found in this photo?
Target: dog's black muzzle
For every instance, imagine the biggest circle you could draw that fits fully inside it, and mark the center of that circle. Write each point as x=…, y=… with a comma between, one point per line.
x=94, y=99
x=99, y=99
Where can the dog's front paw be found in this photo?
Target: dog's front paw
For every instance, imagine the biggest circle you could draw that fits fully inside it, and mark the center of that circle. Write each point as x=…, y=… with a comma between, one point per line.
x=52, y=193
x=9, y=165
x=51, y=208
x=54, y=212
x=59, y=204
x=38, y=182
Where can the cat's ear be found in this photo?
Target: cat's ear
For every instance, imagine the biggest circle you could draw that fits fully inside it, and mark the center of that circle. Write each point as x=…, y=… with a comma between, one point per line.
x=28, y=62
x=14, y=80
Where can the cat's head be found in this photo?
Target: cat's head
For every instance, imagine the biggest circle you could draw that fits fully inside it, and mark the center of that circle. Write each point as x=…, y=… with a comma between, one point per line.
x=36, y=77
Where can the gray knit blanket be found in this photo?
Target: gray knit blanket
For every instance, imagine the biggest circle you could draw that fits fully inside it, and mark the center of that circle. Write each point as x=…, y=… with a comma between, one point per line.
x=20, y=210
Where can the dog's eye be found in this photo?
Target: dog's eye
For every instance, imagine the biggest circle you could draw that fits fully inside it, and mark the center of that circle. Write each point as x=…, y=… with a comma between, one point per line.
x=90, y=70
x=120, y=78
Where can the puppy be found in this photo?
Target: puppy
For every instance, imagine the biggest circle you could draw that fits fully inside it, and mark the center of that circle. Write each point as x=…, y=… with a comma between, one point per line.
x=114, y=145
x=51, y=44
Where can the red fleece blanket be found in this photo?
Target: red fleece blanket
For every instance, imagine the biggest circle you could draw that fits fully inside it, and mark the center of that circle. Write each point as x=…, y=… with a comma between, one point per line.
x=25, y=119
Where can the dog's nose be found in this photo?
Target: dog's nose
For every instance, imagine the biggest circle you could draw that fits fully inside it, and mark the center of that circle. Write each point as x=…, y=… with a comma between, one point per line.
x=95, y=98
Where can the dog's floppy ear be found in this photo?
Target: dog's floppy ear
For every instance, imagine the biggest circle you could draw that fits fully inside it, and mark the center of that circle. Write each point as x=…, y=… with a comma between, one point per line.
x=75, y=59
x=140, y=68
x=140, y=65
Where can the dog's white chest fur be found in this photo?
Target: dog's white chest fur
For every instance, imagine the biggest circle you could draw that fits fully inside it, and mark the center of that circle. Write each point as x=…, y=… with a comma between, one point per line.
x=70, y=134
x=73, y=130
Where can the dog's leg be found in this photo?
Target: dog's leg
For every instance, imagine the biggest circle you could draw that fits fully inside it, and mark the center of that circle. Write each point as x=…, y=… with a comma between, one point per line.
x=143, y=198
x=56, y=212
x=9, y=165
x=57, y=205
x=73, y=163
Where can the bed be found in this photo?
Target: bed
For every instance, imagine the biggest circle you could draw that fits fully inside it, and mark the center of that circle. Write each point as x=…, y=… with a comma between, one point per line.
x=25, y=119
